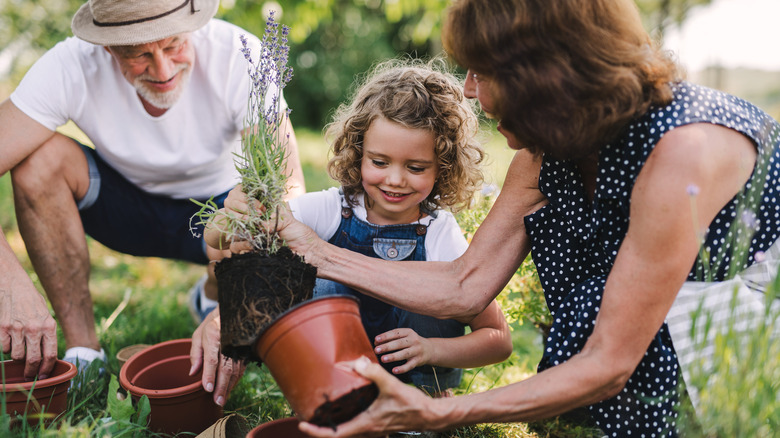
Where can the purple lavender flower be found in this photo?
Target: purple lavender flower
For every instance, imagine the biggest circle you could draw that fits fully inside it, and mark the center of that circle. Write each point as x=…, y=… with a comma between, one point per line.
x=270, y=73
x=749, y=219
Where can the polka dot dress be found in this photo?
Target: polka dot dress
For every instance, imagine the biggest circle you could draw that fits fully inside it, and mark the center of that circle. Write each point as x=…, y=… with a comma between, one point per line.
x=575, y=242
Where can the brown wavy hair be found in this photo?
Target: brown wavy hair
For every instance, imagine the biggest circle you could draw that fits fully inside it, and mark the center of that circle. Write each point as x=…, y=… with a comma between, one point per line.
x=568, y=75
x=417, y=95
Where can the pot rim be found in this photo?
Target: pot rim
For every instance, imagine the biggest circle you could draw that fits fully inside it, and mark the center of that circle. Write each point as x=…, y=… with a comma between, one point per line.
x=66, y=375
x=281, y=316
x=138, y=391
x=275, y=423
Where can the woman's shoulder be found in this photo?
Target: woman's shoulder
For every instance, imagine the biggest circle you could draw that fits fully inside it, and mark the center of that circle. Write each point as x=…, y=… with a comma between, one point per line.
x=693, y=103
x=693, y=110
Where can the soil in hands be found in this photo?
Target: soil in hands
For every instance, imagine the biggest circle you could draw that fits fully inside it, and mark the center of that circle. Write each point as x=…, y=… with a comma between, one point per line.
x=254, y=289
x=345, y=408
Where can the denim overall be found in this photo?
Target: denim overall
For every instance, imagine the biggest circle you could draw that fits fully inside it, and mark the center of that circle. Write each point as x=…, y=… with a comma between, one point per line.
x=395, y=243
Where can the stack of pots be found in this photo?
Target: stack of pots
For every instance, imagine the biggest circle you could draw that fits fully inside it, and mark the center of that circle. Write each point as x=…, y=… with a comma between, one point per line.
x=178, y=401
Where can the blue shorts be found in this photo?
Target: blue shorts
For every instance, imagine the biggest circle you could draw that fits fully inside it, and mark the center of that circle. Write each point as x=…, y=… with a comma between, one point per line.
x=118, y=214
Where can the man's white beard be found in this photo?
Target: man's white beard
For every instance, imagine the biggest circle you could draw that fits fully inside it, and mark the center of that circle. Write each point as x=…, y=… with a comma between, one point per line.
x=167, y=99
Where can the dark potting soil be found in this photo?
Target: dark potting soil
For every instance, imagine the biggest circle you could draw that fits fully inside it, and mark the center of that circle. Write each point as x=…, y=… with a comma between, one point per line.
x=254, y=289
x=334, y=412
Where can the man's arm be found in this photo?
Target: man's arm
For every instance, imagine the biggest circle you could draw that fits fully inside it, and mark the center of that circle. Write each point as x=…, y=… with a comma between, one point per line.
x=27, y=329
x=20, y=136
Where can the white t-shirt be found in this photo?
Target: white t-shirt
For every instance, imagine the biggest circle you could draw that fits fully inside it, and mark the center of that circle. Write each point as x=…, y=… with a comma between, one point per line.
x=321, y=211
x=186, y=152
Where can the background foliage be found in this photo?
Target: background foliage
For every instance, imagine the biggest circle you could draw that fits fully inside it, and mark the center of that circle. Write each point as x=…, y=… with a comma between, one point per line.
x=331, y=41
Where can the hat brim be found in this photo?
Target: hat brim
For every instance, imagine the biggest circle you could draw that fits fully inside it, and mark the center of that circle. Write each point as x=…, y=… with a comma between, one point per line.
x=180, y=21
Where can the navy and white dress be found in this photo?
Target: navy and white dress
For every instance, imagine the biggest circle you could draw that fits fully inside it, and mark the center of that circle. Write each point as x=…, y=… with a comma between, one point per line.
x=575, y=243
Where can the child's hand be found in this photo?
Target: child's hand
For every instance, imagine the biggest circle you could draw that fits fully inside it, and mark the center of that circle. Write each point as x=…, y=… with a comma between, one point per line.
x=403, y=344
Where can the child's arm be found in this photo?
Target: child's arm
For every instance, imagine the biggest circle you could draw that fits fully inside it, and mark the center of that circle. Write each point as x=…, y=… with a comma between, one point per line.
x=489, y=342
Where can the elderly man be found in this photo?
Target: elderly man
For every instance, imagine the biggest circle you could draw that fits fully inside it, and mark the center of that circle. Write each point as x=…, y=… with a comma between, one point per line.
x=161, y=89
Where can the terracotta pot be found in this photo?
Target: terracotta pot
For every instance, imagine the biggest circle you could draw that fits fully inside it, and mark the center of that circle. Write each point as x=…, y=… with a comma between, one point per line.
x=231, y=426
x=123, y=355
x=178, y=401
x=284, y=428
x=49, y=396
x=301, y=348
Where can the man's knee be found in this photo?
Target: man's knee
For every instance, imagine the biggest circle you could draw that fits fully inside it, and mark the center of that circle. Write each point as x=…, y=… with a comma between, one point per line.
x=59, y=161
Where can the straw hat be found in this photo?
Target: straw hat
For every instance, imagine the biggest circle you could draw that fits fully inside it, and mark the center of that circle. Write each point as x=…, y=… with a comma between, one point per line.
x=132, y=22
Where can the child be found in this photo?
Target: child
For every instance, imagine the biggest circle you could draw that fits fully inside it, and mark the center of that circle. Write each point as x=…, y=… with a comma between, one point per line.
x=402, y=151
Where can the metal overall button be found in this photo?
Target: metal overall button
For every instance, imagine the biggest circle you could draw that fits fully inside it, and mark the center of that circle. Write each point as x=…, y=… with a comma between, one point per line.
x=394, y=249
x=392, y=252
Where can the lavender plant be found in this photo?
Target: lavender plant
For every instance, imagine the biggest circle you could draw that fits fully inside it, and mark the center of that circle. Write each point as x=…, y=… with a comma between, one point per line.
x=262, y=163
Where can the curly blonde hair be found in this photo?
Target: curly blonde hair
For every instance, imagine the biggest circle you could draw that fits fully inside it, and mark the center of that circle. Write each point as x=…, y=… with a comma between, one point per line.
x=569, y=75
x=417, y=95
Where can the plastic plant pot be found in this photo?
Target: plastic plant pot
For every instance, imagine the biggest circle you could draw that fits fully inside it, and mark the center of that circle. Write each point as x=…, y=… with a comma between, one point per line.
x=178, y=401
x=283, y=428
x=123, y=355
x=301, y=348
x=44, y=398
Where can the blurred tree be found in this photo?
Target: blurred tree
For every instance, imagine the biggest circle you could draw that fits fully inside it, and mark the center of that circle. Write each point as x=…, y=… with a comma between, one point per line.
x=332, y=41
x=30, y=27
x=658, y=14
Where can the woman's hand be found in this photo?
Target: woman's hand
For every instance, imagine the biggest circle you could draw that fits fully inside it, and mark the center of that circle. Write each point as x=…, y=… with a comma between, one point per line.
x=220, y=373
x=399, y=407
x=404, y=344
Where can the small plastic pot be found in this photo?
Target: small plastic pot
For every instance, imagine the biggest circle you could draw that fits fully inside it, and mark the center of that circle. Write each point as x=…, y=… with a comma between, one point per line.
x=300, y=349
x=49, y=396
x=283, y=428
x=123, y=355
x=178, y=401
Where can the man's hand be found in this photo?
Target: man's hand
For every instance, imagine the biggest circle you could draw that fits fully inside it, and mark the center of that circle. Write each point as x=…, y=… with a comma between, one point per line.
x=28, y=332
x=220, y=373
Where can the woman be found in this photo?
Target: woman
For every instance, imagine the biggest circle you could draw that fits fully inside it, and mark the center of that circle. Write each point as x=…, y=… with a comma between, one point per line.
x=621, y=172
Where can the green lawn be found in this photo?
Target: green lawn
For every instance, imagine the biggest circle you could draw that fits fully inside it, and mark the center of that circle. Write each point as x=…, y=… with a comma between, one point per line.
x=143, y=300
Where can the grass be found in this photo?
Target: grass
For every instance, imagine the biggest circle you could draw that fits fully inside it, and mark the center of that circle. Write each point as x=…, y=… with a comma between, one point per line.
x=150, y=294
